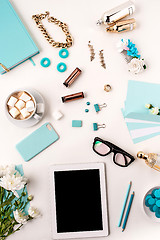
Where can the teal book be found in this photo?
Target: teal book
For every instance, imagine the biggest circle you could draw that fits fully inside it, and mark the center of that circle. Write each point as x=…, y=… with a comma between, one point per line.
x=16, y=45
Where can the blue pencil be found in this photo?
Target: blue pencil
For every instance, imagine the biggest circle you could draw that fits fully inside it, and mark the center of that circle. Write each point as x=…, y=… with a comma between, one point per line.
x=128, y=210
x=124, y=205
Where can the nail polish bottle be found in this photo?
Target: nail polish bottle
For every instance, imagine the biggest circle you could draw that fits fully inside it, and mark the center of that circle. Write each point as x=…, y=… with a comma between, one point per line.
x=151, y=159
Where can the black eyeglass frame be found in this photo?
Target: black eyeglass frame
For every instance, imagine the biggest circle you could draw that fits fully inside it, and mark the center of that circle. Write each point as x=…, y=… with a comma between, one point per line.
x=115, y=150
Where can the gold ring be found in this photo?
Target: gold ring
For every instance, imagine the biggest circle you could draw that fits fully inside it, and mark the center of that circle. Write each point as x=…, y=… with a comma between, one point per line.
x=107, y=88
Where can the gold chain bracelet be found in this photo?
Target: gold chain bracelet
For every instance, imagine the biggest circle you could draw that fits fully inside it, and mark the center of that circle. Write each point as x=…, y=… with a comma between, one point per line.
x=38, y=19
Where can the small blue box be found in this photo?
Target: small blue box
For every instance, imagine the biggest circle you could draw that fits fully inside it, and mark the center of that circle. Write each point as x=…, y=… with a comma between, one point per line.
x=76, y=123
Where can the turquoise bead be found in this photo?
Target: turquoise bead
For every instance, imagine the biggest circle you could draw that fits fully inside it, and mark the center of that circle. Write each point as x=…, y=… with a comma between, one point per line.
x=158, y=203
x=61, y=67
x=88, y=103
x=151, y=201
x=157, y=213
x=151, y=208
x=63, y=53
x=148, y=196
x=86, y=110
x=153, y=193
x=155, y=208
x=45, y=62
x=146, y=203
x=157, y=193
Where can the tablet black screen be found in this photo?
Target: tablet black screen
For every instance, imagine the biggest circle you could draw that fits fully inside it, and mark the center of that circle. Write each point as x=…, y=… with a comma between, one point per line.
x=78, y=200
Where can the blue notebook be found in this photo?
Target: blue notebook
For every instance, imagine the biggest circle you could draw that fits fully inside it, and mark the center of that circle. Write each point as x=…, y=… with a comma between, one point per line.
x=16, y=45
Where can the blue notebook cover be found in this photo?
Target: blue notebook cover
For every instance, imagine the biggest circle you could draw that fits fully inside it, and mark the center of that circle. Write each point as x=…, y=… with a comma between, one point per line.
x=16, y=45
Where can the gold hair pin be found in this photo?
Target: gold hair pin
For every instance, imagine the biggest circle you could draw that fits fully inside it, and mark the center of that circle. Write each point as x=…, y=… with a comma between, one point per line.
x=102, y=59
x=92, y=53
x=4, y=67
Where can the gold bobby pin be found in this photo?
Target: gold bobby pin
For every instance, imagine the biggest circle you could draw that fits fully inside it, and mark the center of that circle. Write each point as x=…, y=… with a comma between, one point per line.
x=4, y=67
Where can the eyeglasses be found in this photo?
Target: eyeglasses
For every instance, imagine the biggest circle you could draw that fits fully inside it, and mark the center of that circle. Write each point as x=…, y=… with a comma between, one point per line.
x=120, y=157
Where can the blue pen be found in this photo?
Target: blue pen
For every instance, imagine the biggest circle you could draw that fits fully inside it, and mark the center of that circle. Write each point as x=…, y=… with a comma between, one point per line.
x=128, y=210
x=124, y=205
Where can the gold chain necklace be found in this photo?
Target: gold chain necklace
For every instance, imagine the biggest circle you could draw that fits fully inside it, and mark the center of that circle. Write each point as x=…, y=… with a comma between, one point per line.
x=38, y=19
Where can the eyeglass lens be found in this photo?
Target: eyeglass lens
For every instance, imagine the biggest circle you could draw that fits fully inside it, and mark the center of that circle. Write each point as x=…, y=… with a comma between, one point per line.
x=121, y=159
x=101, y=148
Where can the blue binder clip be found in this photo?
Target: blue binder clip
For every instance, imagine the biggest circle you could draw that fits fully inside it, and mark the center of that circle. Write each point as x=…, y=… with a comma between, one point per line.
x=96, y=126
x=99, y=107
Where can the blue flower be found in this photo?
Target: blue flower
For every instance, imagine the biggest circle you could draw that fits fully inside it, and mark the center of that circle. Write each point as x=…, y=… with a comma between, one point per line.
x=133, y=52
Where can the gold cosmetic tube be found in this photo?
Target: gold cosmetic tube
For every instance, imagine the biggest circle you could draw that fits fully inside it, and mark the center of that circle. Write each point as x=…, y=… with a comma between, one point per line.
x=122, y=26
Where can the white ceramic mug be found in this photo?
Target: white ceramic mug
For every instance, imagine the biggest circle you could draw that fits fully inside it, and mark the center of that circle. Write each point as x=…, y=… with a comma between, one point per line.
x=34, y=114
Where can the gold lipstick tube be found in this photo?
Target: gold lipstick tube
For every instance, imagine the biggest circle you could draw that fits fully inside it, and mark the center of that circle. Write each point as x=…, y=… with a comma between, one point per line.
x=73, y=97
x=117, y=13
x=72, y=77
x=122, y=26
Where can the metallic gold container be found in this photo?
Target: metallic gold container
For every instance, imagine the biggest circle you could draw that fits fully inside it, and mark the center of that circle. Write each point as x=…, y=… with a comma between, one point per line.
x=117, y=13
x=122, y=26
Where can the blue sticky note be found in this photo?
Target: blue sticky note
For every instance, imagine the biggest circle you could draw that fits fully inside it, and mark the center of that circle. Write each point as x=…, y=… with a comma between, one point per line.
x=76, y=123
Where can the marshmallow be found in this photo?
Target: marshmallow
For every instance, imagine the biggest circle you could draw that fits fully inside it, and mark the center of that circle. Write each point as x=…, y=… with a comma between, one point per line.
x=57, y=115
x=12, y=101
x=25, y=97
x=30, y=106
x=14, y=112
x=40, y=108
x=25, y=113
x=20, y=104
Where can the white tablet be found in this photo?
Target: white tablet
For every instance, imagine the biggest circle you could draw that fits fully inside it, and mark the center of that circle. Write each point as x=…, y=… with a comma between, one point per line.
x=78, y=201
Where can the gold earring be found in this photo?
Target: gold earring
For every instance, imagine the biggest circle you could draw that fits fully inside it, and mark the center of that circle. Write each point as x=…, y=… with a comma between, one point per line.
x=102, y=59
x=92, y=53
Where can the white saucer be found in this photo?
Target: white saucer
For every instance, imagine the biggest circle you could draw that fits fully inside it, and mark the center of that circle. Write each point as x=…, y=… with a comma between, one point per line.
x=147, y=211
x=32, y=121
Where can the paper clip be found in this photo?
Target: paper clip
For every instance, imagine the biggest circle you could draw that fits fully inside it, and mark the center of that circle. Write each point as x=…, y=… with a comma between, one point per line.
x=99, y=107
x=96, y=126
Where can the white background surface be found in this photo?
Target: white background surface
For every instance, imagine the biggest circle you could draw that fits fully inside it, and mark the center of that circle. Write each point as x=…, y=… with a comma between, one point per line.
x=75, y=144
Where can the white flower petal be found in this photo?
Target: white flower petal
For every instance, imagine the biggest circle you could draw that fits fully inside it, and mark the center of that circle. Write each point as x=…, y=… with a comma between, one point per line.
x=136, y=65
x=20, y=216
x=33, y=212
x=13, y=182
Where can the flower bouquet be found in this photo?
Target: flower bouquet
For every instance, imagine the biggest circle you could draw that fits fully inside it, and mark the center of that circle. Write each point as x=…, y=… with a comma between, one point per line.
x=153, y=110
x=15, y=209
x=132, y=57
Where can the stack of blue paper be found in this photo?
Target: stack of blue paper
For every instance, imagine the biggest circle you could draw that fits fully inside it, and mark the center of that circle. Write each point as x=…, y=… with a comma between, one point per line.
x=141, y=124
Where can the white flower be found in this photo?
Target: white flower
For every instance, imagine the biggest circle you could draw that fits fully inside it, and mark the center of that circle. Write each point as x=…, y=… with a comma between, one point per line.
x=122, y=45
x=20, y=216
x=13, y=182
x=136, y=65
x=7, y=170
x=33, y=212
x=154, y=111
x=148, y=105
